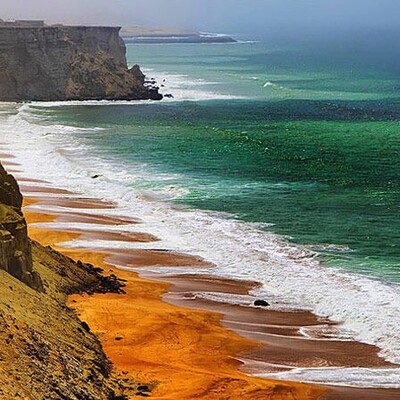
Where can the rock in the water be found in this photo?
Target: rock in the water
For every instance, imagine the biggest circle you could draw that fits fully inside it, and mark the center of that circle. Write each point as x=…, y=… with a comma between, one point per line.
x=261, y=303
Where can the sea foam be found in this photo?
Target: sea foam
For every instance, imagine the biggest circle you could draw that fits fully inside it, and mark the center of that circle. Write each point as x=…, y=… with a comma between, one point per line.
x=185, y=88
x=368, y=309
x=354, y=377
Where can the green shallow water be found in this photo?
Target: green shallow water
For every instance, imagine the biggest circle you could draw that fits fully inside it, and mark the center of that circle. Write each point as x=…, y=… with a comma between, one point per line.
x=315, y=158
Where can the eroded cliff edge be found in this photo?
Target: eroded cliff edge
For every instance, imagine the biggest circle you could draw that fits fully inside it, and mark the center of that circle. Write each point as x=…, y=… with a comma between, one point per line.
x=46, y=352
x=15, y=247
x=56, y=63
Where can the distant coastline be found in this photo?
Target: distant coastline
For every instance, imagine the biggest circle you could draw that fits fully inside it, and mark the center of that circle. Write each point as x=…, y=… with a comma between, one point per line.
x=140, y=35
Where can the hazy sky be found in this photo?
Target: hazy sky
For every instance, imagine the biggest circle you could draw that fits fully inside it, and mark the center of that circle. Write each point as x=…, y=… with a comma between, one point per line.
x=214, y=15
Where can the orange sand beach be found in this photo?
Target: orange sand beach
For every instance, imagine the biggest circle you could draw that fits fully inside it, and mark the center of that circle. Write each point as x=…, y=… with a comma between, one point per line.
x=186, y=352
x=190, y=348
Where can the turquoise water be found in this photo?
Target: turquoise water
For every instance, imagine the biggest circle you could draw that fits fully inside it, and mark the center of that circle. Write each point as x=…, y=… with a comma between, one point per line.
x=301, y=72
x=302, y=141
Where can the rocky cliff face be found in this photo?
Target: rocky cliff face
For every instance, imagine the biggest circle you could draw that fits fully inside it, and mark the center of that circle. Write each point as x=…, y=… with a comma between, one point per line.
x=53, y=63
x=15, y=247
x=46, y=351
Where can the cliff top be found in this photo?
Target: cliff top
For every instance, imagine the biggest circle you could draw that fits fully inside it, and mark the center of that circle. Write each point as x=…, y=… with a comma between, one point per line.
x=39, y=24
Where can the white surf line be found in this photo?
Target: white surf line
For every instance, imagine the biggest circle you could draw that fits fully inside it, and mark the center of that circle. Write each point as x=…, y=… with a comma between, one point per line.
x=185, y=88
x=368, y=308
x=363, y=378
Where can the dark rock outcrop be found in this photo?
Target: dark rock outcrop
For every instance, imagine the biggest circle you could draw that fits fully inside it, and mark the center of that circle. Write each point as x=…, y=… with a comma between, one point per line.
x=261, y=303
x=53, y=63
x=15, y=247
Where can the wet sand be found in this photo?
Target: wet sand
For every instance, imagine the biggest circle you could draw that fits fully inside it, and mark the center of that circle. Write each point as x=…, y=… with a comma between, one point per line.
x=187, y=352
x=9, y=164
x=30, y=180
x=40, y=189
x=5, y=156
x=162, y=329
x=278, y=331
x=71, y=202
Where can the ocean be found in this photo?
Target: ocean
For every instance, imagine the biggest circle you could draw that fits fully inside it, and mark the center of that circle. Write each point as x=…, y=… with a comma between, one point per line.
x=279, y=164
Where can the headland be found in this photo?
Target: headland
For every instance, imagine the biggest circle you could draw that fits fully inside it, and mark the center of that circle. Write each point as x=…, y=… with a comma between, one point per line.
x=40, y=62
x=141, y=35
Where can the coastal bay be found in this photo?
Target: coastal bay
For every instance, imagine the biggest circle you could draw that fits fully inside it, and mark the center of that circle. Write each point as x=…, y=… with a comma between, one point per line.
x=200, y=200
x=174, y=347
x=276, y=186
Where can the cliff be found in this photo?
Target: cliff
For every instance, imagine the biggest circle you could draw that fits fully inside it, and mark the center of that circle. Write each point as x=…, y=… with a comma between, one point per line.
x=15, y=247
x=46, y=351
x=50, y=63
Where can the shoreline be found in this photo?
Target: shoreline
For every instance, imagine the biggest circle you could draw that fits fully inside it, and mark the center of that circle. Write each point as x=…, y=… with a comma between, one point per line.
x=78, y=209
x=218, y=369
x=166, y=289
